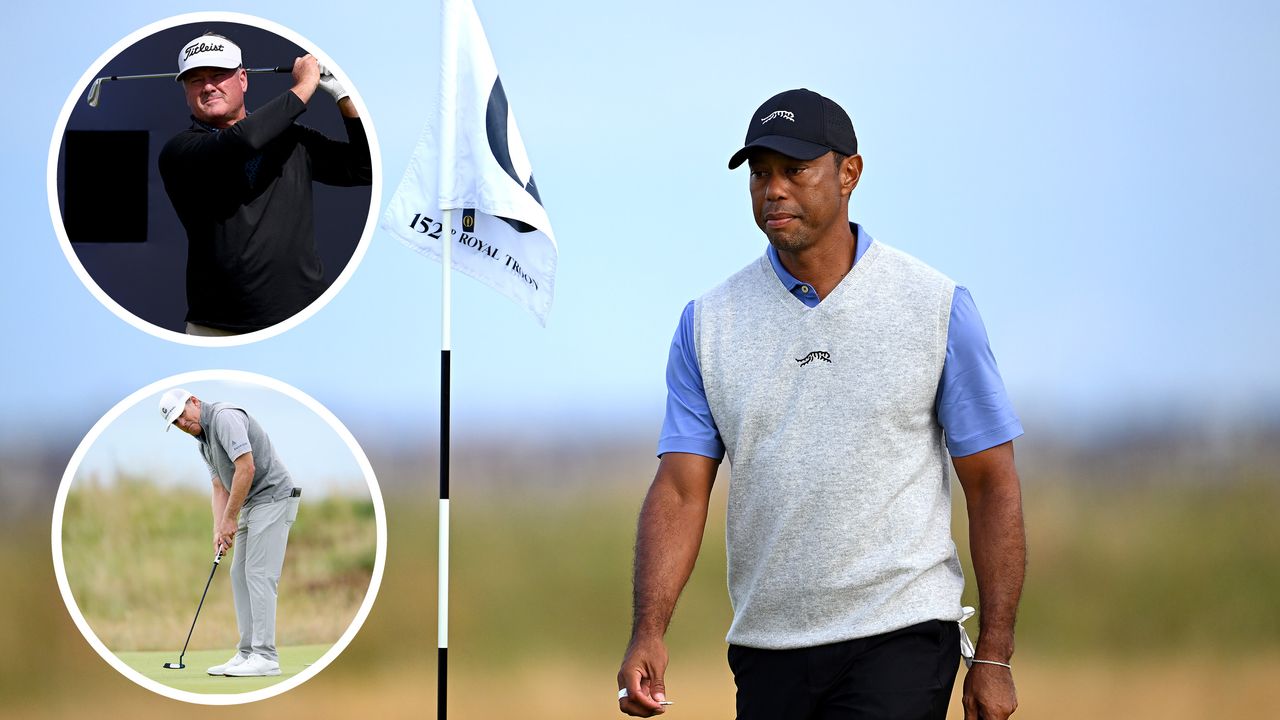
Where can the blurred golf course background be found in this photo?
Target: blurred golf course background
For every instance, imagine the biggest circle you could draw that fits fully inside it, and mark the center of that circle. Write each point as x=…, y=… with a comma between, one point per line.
x=1101, y=175
x=138, y=555
x=1152, y=589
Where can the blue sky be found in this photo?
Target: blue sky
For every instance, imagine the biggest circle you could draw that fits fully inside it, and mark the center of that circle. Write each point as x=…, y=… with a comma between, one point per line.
x=1100, y=175
x=134, y=442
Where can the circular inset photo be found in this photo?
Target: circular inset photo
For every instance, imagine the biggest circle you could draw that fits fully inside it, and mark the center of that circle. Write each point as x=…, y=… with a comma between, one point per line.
x=214, y=179
x=219, y=537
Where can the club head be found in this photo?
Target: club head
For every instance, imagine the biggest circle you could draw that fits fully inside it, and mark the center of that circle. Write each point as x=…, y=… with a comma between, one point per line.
x=174, y=666
x=95, y=92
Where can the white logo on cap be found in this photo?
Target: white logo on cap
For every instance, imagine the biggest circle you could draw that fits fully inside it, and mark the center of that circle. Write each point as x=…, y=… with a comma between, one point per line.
x=784, y=114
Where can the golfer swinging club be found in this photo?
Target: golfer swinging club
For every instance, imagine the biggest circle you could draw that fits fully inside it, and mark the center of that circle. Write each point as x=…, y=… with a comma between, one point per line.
x=240, y=183
x=254, y=505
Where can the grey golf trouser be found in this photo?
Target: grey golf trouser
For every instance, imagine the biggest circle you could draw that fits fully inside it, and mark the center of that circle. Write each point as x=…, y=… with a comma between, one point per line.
x=257, y=559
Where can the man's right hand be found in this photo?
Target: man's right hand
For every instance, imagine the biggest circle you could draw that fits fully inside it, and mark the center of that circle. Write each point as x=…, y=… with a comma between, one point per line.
x=642, y=675
x=306, y=76
x=668, y=536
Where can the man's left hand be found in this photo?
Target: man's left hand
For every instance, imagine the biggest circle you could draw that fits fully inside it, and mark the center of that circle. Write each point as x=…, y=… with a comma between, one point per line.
x=989, y=693
x=226, y=533
x=329, y=83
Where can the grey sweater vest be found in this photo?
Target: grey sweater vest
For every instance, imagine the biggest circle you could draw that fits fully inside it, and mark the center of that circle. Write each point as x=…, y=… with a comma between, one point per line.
x=839, y=517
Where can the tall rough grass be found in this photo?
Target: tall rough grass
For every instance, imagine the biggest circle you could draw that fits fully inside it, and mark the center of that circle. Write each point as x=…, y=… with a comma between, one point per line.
x=138, y=554
x=1143, y=600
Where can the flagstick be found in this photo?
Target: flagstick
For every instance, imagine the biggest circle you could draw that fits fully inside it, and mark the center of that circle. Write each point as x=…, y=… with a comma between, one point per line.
x=442, y=623
x=449, y=16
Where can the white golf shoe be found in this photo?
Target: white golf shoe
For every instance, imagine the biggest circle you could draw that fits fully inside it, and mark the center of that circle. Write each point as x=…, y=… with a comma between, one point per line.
x=254, y=666
x=222, y=669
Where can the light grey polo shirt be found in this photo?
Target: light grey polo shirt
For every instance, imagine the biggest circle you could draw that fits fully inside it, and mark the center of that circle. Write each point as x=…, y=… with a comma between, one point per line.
x=228, y=433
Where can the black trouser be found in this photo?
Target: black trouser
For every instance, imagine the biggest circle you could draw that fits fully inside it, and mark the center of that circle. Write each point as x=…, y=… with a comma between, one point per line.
x=906, y=674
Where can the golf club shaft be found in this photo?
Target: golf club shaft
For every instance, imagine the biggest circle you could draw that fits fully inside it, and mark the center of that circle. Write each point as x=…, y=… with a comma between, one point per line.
x=157, y=76
x=95, y=88
x=216, y=561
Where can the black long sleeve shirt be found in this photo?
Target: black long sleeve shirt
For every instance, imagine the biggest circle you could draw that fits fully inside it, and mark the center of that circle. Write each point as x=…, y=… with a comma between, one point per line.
x=243, y=194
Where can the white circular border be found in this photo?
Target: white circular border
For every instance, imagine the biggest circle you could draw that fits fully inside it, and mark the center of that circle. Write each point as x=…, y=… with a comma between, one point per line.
x=77, y=94
x=375, y=494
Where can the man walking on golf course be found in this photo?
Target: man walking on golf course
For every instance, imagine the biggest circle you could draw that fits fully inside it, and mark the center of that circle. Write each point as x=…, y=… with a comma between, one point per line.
x=254, y=504
x=241, y=184
x=837, y=374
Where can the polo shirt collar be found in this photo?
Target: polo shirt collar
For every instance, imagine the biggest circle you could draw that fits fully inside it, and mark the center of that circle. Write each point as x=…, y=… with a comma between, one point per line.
x=798, y=287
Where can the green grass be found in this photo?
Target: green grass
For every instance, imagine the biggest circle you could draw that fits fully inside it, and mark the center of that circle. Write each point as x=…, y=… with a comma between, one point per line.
x=1141, y=572
x=193, y=677
x=1126, y=571
x=1123, y=571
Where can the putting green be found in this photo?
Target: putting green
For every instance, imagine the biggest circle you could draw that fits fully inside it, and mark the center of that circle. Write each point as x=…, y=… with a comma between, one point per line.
x=193, y=677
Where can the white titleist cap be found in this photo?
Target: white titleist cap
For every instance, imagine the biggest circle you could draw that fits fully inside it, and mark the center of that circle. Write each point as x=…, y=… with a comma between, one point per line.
x=208, y=51
x=172, y=403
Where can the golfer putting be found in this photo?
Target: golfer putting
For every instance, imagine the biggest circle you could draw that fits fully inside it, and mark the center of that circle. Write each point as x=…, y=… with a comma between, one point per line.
x=254, y=504
x=241, y=183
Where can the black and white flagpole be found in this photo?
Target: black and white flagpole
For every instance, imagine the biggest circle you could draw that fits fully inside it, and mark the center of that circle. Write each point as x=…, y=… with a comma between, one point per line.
x=484, y=175
x=442, y=671
x=448, y=140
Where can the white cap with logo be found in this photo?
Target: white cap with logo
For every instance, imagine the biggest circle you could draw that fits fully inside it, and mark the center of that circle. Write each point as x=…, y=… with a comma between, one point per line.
x=208, y=51
x=172, y=403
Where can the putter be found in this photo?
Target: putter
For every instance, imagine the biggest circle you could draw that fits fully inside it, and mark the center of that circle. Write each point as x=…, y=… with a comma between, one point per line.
x=95, y=88
x=217, y=558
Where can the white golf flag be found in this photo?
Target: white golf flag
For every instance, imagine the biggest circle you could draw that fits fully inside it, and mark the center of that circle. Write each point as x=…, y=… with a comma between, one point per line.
x=471, y=159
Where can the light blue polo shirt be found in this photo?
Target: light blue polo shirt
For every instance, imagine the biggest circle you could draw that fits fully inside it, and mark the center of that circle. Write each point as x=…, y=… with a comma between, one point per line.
x=973, y=407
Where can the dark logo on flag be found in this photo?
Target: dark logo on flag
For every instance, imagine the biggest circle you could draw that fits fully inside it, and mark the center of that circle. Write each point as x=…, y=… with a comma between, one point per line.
x=822, y=355
x=495, y=124
x=469, y=219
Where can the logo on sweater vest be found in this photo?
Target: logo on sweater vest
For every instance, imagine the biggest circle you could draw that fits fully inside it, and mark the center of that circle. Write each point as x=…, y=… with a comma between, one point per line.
x=822, y=355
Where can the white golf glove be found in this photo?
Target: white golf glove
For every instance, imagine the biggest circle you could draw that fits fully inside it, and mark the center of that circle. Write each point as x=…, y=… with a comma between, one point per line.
x=329, y=83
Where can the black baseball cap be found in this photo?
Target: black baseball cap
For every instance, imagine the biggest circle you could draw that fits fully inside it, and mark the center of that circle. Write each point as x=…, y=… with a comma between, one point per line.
x=801, y=124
